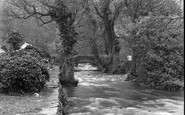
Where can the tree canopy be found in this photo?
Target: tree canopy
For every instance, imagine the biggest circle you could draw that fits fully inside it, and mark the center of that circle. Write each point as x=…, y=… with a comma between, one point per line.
x=112, y=29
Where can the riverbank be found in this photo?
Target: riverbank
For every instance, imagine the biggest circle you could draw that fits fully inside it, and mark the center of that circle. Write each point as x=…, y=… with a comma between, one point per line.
x=97, y=94
x=32, y=104
x=169, y=85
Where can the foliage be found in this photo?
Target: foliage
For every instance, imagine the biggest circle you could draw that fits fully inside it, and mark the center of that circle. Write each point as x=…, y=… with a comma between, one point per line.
x=123, y=68
x=67, y=33
x=15, y=39
x=104, y=20
x=158, y=53
x=37, y=52
x=21, y=72
x=148, y=24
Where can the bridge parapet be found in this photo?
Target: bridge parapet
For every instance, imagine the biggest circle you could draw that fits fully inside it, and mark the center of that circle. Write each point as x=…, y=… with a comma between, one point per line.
x=85, y=59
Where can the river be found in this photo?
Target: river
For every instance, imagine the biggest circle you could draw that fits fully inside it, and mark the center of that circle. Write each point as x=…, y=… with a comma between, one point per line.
x=105, y=94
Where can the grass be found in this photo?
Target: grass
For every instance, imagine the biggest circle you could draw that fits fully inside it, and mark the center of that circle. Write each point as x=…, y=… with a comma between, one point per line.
x=24, y=105
x=28, y=104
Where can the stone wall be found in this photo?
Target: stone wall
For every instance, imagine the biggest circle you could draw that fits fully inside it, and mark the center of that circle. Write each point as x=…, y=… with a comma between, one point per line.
x=63, y=103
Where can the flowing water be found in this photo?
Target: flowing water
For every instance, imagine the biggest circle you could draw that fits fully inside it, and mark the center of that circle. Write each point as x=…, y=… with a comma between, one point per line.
x=103, y=94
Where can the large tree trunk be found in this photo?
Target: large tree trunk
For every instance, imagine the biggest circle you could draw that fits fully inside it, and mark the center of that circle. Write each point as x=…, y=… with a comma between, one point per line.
x=111, y=43
x=101, y=65
x=64, y=20
x=113, y=46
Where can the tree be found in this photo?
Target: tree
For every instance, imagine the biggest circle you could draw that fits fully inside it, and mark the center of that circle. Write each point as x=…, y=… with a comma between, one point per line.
x=108, y=12
x=100, y=18
x=47, y=11
x=154, y=34
x=37, y=36
x=159, y=54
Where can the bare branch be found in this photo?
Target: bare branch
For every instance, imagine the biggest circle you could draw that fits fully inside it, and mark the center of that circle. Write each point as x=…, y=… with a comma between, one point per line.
x=45, y=22
x=46, y=4
x=97, y=11
x=27, y=10
x=117, y=11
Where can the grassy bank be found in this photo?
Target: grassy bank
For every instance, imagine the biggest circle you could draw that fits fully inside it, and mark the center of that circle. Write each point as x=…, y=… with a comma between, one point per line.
x=32, y=104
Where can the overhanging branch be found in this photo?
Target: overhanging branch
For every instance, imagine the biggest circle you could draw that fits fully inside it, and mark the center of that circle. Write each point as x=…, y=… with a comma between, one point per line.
x=97, y=11
x=27, y=10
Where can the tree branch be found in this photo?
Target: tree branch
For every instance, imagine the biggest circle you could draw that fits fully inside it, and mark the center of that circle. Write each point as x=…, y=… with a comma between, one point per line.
x=27, y=10
x=117, y=11
x=97, y=11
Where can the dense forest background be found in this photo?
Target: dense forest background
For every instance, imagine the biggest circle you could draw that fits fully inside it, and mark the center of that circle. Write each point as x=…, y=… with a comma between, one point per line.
x=46, y=37
x=149, y=30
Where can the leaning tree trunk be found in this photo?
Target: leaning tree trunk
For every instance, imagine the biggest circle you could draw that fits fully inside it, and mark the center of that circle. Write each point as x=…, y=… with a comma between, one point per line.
x=64, y=20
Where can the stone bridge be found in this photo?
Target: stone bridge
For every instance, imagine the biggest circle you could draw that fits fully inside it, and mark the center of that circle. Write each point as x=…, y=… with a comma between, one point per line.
x=85, y=59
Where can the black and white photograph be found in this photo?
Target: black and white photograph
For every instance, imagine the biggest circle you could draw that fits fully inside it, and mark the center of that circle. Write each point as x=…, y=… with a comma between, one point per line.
x=91, y=57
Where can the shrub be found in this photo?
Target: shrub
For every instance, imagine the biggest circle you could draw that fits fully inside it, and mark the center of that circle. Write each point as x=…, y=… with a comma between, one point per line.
x=123, y=68
x=158, y=54
x=19, y=71
x=37, y=51
x=15, y=39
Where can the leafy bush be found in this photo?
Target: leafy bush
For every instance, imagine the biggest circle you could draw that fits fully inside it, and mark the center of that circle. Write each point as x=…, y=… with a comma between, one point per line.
x=158, y=54
x=19, y=71
x=123, y=68
x=15, y=39
x=37, y=51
